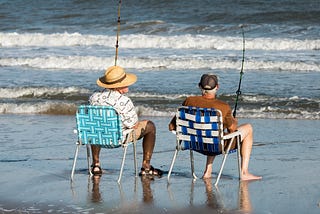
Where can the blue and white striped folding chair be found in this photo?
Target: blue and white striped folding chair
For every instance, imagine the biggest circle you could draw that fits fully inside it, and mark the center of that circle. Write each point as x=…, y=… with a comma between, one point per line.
x=201, y=130
x=101, y=126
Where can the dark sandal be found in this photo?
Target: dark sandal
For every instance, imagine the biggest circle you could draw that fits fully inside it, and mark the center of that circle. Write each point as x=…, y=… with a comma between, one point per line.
x=151, y=172
x=96, y=172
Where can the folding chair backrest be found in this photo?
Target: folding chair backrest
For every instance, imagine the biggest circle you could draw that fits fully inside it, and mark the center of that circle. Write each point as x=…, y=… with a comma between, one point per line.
x=200, y=129
x=99, y=125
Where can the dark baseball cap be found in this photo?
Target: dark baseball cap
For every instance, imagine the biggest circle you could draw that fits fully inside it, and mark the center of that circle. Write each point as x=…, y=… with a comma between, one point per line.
x=208, y=81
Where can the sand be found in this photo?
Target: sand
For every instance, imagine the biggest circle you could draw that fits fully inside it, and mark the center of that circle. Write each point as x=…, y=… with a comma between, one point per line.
x=37, y=153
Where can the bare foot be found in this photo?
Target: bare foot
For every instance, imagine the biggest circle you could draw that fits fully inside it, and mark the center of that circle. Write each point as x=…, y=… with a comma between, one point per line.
x=249, y=176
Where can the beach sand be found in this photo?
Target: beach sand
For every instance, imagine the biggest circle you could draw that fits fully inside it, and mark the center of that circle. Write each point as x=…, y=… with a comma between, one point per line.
x=37, y=153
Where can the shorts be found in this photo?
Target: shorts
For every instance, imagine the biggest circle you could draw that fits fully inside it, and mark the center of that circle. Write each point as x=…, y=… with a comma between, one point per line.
x=139, y=131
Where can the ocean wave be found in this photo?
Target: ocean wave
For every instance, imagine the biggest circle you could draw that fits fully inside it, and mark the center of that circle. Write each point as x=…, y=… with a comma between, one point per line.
x=142, y=41
x=278, y=113
x=64, y=101
x=78, y=94
x=66, y=93
x=144, y=95
x=261, y=98
x=63, y=108
x=60, y=108
x=54, y=108
x=42, y=92
x=173, y=62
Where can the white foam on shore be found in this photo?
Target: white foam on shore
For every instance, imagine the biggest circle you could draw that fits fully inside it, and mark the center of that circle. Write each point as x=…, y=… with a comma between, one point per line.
x=296, y=55
x=95, y=63
x=154, y=41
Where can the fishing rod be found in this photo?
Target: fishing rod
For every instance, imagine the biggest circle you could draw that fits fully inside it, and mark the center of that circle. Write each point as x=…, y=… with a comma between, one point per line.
x=238, y=92
x=118, y=32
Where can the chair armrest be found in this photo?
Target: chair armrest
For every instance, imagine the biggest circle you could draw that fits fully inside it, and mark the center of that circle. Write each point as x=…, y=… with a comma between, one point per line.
x=231, y=135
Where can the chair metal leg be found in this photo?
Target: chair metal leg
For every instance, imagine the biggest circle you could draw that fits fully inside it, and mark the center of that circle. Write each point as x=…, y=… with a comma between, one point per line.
x=89, y=159
x=221, y=168
x=239, y=155
x=122, y=163
x=135, y=159
x=75, y=160
x=192, y=165
x=223, y=162
x=172, y=163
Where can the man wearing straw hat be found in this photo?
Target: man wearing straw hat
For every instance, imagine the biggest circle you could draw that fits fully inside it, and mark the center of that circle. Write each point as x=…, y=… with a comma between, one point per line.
x=115, y=83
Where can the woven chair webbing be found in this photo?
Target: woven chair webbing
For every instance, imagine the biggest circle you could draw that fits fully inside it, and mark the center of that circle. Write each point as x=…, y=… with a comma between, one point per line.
x=200, y=129
x=99, y=125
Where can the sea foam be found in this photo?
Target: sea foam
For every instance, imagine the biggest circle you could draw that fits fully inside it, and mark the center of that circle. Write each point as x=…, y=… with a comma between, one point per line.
x=186, y=41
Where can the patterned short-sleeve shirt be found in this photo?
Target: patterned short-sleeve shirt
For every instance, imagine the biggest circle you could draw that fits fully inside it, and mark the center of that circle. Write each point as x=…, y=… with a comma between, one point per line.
x=121, y=103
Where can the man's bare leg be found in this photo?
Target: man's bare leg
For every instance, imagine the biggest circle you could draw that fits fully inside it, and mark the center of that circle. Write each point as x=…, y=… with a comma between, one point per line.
x=148, y=143
x=246, y=147
x=95, y=158
x=208, y=170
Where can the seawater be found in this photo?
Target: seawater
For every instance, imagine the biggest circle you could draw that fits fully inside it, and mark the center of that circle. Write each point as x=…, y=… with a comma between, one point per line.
x=52, y=55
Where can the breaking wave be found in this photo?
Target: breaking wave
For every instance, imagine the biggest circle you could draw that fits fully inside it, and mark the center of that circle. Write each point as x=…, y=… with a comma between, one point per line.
x=64, y=101
x=135, y=41
x=173, y=63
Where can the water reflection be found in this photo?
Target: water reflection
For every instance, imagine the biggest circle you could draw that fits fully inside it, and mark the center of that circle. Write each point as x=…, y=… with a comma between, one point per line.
x=95, y=193
x=207, y=198
x=244, y=197
x=211, y=199
x=96, y=196
x=215, y=198
x=147, y=195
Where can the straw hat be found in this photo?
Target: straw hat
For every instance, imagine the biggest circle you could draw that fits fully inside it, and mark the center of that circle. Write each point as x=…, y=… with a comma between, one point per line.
x=115, y=77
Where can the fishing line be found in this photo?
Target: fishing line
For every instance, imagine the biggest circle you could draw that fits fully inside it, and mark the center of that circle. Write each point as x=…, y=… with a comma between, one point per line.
x=238, y=92
x=118, y=32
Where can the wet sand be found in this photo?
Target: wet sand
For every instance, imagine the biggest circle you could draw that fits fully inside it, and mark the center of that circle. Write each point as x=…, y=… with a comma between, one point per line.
x=37, y=153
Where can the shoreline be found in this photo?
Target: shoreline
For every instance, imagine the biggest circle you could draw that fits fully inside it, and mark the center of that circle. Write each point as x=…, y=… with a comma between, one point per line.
x=37, y=153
